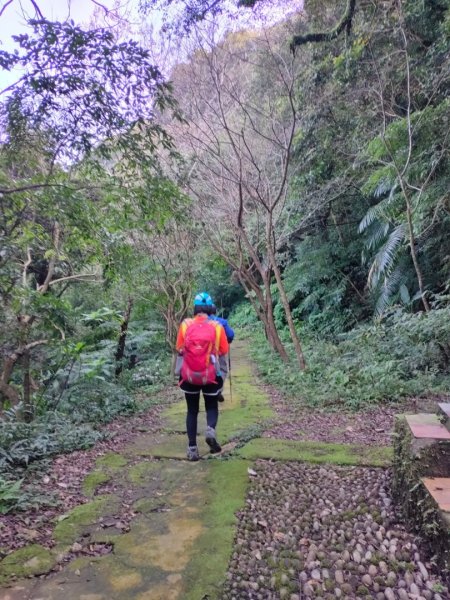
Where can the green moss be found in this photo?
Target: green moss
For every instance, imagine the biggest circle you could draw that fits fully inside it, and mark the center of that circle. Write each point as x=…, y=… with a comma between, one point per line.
x=362, y=590
x=113, y=461
x=148, y=505
x=82, y=517
x=140, y=473
x=82, y=562
x=93, y=481
x=316, y=452
x=30, y=560
x=226, y=486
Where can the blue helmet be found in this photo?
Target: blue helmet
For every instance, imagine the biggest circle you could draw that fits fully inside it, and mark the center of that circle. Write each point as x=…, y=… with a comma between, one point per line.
x=203, y=299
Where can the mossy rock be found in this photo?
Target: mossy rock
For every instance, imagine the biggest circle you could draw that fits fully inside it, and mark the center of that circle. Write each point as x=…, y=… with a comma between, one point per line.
x=227, y=483
x=414, y=459
x=93, y=481
x=148, y=505
x=140, y=473
x=112, y=462
x=25, y=562
x=82, y=518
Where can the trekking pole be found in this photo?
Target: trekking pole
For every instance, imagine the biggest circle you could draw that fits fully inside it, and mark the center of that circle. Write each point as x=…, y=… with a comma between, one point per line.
x=229, y=374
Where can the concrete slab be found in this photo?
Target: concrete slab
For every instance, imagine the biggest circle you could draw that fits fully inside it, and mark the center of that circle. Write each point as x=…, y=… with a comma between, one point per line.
x=445, y=408
x=439, y=488
x=428, y=426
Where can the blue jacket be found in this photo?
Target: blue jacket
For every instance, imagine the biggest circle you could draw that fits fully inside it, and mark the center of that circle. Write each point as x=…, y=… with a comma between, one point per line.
x=229, y=332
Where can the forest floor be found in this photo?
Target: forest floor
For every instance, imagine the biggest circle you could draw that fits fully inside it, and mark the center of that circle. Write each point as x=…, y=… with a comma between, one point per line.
x=297, y=505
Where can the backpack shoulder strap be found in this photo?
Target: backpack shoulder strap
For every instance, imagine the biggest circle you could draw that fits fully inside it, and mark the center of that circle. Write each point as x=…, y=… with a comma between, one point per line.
x=184, y=327
x=185, y=324
x=217, y=341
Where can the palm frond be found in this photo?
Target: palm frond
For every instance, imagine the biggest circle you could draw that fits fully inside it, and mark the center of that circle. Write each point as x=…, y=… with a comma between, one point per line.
x=384, y=260
x=390, y=287
x=377, y=233
x=378, y=211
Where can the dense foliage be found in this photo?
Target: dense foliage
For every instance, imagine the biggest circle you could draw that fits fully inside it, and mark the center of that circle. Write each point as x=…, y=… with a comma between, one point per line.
x=306, y=190
x=405, y=356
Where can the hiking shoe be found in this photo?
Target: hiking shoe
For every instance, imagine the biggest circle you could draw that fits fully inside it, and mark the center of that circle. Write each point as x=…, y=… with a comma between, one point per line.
x=220, y=398
x=213, y=444
x=192, y=453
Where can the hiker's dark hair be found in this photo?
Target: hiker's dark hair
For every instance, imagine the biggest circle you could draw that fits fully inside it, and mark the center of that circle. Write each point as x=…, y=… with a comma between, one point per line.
x=206, y=310
x=213, y=309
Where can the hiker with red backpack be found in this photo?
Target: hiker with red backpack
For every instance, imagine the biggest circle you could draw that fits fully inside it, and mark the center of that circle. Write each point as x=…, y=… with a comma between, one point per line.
x=200, y=342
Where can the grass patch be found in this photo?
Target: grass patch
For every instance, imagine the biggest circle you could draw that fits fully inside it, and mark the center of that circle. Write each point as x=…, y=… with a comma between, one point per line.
x=317, y=452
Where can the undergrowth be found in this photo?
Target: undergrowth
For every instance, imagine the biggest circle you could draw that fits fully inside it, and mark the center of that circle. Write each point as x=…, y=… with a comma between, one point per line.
x=405, y=355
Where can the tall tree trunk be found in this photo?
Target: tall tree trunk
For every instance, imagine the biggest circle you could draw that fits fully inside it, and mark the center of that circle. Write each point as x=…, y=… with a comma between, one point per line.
x=28, y=408
x=284, y=299
x=287, y=310
x=7, y=391
x=122, y=338
x=412, y=246
x=263, y=305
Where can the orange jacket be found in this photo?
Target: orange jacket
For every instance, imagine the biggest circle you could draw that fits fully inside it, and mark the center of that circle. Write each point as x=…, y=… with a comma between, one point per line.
x=222, y=346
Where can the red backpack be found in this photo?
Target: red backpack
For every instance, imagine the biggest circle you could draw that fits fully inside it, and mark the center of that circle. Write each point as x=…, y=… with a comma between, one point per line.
x=199, y=353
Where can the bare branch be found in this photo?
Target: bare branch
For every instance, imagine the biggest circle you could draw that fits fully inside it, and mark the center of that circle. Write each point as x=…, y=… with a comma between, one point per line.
x=5, y=6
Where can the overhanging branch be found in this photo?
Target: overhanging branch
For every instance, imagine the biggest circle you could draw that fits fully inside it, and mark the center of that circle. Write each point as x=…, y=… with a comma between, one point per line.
x=327, y=36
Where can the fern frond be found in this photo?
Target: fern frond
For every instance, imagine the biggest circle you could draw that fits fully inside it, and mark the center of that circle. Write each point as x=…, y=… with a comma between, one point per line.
x=378, y=211
x=378, y=232
x=390, y=287
x=385, y=185
x=384, y=260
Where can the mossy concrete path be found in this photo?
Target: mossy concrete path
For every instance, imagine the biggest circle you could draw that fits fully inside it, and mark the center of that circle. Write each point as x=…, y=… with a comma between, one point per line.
x=181, y=535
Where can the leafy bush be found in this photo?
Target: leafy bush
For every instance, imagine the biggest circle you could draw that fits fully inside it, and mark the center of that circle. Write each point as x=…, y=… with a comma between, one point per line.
x=244, y=316
x=96, y=401
x=54, y=433
x=9, y=494
x=406, y=355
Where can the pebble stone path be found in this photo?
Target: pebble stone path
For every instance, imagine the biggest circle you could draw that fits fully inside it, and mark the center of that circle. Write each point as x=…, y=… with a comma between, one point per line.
x=238, y=527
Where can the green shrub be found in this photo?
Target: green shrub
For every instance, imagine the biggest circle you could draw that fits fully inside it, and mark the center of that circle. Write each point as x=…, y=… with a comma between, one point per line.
x=406, y=355
x=96, y=401
x=54, y=433
x=9, y=494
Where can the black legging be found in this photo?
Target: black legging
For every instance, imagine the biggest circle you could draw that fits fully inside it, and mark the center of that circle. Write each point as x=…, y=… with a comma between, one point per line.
x=212, y=414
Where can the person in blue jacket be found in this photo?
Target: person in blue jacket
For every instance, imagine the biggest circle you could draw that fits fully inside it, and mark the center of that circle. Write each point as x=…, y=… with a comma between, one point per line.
x=229, y=332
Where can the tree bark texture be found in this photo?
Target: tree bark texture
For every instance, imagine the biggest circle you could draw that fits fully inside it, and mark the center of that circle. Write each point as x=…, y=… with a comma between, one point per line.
x=122, y=338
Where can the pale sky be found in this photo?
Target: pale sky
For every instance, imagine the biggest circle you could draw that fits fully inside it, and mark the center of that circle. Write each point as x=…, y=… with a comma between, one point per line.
x=13, y=19
x=16, y=12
